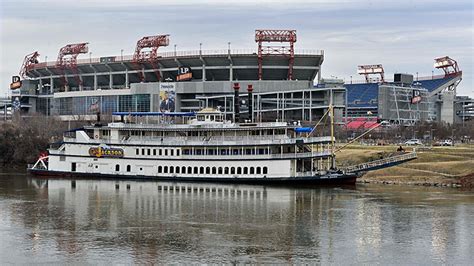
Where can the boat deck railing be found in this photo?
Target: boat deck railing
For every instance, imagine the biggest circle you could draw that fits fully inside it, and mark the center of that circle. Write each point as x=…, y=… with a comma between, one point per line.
x=381, y=163
x=211, y=141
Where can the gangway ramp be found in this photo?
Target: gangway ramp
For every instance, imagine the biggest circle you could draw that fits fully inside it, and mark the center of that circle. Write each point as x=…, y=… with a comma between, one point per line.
x=379, y=164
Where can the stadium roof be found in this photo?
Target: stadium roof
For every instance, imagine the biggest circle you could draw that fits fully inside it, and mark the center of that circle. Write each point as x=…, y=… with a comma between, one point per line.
x=217, y=64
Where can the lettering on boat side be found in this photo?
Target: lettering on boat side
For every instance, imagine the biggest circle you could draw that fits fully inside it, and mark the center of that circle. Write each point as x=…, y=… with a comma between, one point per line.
x=106, y=152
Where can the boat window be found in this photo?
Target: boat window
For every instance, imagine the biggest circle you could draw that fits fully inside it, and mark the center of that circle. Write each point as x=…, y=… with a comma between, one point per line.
x=190, y=170
x=165, y=169
x=183, y=170
x=177, y=169
x=117, y=167
x=208, y=170
x=166, y=152
x=259, y=170
x=261, y=151
x=171, y=170
x=171, y=152
x=186, y=152
x=246, y=170
x=226, y=170
x=105, y=132
x=129, y=168
x=149, y=152
x=232, y=170
x=62, y=158
x=177, y=152
x=236, y=151
x=265, y=170
x=248, y=151
x=214, y=170
x=239, y=170
x=137, y=151
x=196, y=170
x=201, y=170
x=223, y=152
x=160, y=169
x=252, y=170
x=220, y=170
x=198, y=151
x=160, y=152
x=143, y=151
x=154, y=152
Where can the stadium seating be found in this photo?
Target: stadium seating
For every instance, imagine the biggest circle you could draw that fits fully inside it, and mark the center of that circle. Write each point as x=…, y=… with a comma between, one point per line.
x=362, y=95
x=433, y=84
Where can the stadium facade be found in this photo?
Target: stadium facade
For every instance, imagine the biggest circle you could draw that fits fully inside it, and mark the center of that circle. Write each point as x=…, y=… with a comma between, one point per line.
x=282, y=80
x=281, y=77
x=407, y=100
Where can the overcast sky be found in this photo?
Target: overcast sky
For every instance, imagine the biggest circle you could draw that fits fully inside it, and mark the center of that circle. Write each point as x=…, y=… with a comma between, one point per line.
x=404, y=35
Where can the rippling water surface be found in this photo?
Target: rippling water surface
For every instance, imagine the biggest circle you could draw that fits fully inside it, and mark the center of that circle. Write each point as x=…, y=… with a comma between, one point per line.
x=95, y=222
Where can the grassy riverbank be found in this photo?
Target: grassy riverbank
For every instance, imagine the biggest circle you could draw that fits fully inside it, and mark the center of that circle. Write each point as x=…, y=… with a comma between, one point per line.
x=439, y=166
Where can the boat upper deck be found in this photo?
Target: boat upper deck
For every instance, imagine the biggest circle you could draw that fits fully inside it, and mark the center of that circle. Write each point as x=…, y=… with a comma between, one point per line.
x=196, y=126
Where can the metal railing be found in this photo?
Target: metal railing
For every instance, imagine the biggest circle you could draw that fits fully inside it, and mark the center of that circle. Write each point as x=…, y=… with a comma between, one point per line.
x=172, y=54
x=381, y=162
x=217, y=141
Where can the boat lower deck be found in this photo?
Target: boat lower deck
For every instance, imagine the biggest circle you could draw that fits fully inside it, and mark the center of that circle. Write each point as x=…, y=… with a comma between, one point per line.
x=334, y=178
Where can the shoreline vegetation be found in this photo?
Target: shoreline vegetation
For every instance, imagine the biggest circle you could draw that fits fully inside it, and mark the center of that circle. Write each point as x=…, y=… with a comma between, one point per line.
x=23, y=139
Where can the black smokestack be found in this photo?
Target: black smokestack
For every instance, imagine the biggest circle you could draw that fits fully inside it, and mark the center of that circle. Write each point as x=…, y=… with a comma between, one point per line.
x=236, y=103
x=250, y=101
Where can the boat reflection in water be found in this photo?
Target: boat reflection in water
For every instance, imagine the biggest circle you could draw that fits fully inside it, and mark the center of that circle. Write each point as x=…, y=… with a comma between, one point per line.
x=103, y=221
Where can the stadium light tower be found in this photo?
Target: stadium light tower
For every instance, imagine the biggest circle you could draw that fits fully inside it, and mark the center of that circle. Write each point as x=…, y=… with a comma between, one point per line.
x=276, y=36
x=28, y=62
x=448, y=65
x=146, y=51
x=67, y=59
x=367, y=70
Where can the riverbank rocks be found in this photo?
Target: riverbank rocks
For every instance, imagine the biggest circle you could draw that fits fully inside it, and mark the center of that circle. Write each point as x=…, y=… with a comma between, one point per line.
x=467, y=181
x=467, y=184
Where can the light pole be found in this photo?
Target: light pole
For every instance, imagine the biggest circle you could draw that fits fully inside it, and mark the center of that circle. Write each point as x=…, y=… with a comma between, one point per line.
x=432, y=74
x=46, y=58
x=175, y=50
x=228, y=47
x=121, y=54
x=90, y=57
x=416, y=76
x=351, y=79
x=200, y=48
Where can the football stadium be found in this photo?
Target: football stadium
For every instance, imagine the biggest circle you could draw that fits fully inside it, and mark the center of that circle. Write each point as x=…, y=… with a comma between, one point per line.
x=275, y=82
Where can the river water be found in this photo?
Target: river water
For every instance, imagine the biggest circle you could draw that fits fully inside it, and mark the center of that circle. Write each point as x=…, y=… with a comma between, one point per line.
x=95, y=222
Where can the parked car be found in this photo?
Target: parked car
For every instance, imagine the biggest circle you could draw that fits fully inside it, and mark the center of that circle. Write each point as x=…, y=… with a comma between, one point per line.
x=413, y=142
x=447, y=142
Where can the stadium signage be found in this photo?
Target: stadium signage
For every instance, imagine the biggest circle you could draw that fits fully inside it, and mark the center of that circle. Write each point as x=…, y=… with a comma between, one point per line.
x=184, y=73
x=106, y=152
x=416, y=98
x=108, y=59
x=167, y=86
x=16, y=83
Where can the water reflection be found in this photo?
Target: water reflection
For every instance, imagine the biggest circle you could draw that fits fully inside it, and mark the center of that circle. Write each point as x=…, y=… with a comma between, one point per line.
x=140, y=222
